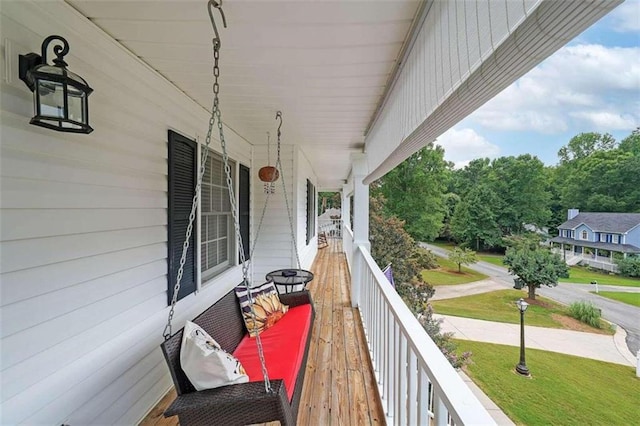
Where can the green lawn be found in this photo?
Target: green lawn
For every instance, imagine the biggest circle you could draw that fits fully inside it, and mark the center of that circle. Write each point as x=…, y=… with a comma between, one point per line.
x=495, y=259
x=444, y=244
x=563, y=389
x=629, y=298
x=447, y=274
x=500, y=306
x=580, y=275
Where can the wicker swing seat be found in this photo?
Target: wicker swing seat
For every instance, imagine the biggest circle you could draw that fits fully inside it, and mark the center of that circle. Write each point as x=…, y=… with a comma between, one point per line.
x=238, y=404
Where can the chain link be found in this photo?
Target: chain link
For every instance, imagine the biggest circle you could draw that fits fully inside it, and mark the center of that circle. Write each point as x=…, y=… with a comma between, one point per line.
x=286, y=197
x=217, y=116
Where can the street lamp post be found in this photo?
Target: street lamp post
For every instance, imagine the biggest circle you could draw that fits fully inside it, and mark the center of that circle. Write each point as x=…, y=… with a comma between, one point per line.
x=521, y=367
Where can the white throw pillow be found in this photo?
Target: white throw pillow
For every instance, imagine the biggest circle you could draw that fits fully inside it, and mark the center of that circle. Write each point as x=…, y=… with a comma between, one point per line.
x=205, y=363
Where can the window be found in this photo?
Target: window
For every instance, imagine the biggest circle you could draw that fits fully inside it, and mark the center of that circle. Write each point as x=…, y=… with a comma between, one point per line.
x=311, y=211
x=216, y=220
x=584, y=235
x=616, y=239
x=181, y=187
x=217, y=236
x=603, y=238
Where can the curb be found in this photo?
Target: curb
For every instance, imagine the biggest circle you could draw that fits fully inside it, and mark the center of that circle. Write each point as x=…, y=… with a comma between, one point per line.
x=619, y=339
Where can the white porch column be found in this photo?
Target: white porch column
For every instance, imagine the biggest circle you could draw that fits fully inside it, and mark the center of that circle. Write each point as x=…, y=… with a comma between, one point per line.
x=360, y=222
x=346, y=205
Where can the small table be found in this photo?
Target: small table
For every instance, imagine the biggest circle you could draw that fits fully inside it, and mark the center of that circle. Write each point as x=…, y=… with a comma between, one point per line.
x=290, y=277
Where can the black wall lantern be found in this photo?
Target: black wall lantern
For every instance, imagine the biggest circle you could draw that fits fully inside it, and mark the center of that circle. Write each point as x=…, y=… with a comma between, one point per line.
x=60, y=97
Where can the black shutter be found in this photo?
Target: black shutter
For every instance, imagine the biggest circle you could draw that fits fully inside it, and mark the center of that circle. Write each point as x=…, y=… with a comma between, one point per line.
x=244, y=194
x=311, y=213
x=182, y=184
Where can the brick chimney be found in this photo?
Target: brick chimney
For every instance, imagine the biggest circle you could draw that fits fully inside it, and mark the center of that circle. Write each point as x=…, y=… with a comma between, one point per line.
x=571, y=213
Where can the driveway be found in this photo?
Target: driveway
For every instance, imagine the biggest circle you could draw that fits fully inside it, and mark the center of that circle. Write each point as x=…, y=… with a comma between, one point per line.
x=622, y=314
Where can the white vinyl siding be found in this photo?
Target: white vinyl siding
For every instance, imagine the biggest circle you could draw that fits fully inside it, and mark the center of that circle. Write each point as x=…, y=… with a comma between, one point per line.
x=465, y=53
x=84, y=240
x=274, y=248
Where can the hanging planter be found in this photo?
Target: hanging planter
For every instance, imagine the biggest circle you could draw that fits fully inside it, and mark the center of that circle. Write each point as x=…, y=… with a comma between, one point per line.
x=268, y=174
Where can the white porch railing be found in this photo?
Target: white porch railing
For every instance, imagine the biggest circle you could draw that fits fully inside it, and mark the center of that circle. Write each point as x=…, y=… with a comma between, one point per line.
x=332, y=227
x=600, y=262
x=417, y=384
x=347, y=244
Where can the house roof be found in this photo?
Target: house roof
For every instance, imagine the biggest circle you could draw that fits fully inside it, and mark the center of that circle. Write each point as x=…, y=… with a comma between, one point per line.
x=622, y=248
x=608, y=222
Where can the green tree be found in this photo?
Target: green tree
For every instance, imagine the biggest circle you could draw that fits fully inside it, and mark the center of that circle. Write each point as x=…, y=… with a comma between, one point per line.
x=605, y=181
x=461, y=257
x=583, y=145
x=451, y=200
x=521, y=184
x=525, y=241
x=390, y=243
x=535, y=267
x=474, y=219
x=631, y=143
x=414, y=192
x=474, y=173
x=328, y=200
x=629, y=266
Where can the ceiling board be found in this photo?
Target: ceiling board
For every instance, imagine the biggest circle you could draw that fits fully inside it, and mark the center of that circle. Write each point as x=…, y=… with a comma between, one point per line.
x=324, y=64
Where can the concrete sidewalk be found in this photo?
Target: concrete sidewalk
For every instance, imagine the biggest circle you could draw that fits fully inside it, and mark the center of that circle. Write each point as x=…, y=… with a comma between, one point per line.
x=459, y=290
x=588, y=345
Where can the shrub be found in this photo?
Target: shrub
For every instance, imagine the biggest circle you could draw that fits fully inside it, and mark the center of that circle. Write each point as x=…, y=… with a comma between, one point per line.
x=629, y=267
x=585, y=312
x=424, y=259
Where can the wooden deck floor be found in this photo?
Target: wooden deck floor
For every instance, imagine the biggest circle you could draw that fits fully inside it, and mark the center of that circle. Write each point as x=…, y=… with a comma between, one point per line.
x=339, y=387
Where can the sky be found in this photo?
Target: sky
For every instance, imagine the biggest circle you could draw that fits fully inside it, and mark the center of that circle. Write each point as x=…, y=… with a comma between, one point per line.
x=590, y=85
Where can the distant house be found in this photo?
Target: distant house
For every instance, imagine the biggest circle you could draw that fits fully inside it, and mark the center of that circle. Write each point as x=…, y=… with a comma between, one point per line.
x=598, y=235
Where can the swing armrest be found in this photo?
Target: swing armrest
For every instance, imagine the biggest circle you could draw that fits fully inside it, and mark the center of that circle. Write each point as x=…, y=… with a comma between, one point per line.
x=224, y=398
x=296, y=298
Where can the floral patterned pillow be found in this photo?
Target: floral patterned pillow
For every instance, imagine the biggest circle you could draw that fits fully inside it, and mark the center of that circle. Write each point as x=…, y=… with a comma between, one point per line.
x=266, y=305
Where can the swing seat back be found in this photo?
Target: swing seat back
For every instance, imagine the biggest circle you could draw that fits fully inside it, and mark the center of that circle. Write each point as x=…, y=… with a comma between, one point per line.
x=223, y=321
x=238, y=404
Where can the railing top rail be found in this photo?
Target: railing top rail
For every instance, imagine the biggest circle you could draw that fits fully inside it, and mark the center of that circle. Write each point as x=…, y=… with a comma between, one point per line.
x=464, y=407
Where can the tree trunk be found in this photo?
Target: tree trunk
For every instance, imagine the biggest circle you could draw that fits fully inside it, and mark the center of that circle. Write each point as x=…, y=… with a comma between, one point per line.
x=532, y=292
x=459, y=268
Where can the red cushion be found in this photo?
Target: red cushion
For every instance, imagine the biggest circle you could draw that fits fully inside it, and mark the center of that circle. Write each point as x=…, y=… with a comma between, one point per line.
x=283, y=346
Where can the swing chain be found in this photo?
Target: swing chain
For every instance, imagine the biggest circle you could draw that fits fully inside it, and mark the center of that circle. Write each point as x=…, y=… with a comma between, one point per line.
x=284, y=190
x=244, y=263
x=203, y=163
x=216, y=115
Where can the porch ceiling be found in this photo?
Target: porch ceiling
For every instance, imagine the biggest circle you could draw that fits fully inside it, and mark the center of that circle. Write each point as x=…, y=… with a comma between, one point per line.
x=324, y=64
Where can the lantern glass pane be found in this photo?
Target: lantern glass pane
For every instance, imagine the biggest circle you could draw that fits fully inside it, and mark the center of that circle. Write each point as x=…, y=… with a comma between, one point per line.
x=51, y=98
x=76, y=100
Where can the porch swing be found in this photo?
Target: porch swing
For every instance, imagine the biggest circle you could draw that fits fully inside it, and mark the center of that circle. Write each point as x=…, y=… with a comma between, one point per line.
x=254, y=401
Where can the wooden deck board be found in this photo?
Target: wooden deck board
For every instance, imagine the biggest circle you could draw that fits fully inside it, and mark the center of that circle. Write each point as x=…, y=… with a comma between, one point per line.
x=340, y=387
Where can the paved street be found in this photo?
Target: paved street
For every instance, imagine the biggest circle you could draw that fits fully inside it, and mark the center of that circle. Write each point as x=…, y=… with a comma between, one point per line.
x=622, y=314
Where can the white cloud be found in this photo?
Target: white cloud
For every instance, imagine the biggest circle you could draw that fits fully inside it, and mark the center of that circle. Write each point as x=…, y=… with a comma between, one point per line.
x=627, y=17
x=580, y=86
x=463, y=145
x=604, y=120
